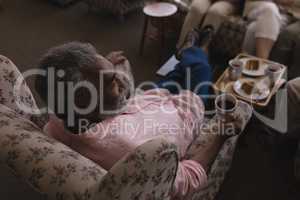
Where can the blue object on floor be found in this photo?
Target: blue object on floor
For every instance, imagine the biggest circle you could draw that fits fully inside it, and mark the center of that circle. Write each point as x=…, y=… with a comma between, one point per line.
x=193, y=64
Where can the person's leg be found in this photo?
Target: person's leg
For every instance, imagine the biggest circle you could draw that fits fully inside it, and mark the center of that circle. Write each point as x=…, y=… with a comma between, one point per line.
x=264, y=47
x=197, y=69
x=14, y=92
x=193, y=18
x=249, y=40
x=209, y=148
x=217, y=13
x=192, y=73
x=267, y=29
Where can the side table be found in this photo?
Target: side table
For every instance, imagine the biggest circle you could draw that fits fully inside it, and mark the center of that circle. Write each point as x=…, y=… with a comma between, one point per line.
x=160, y=12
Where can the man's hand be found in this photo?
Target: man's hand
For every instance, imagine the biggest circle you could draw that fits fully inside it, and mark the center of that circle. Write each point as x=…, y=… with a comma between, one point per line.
x=232, y=126
x=116, y=57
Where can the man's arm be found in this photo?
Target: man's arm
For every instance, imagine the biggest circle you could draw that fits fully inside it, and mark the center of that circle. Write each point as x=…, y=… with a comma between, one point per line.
x=213, y=134
x=192, y=169
x=208, y=143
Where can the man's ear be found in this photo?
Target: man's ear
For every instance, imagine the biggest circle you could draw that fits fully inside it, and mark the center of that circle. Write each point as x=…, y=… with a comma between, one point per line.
x=114, y=88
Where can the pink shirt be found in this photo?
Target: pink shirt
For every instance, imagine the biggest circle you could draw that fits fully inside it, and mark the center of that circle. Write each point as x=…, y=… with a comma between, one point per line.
x=147, y=116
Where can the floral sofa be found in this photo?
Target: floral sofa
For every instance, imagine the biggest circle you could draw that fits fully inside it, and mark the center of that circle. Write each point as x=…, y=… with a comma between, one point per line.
x=34, y=166
x=54, y=171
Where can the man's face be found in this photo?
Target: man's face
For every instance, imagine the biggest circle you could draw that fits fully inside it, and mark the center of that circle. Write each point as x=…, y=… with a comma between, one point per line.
x=115, y=77
x=112, y=82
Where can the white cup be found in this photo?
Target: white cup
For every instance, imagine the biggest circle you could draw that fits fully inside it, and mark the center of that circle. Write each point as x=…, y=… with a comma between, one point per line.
x=273, y=72
x=235, y=69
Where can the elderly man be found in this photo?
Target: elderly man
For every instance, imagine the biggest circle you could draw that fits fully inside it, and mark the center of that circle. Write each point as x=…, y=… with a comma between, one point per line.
x=119, y=122
x=209, y=12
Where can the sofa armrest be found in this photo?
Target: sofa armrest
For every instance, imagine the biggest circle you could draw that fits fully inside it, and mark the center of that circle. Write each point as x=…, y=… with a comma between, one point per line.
x=218, y=171
x=222, y=163
x=147, y=173
x=49, y=167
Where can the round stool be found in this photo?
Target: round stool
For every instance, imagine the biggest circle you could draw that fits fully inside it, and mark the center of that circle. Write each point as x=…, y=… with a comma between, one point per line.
x=159, y=12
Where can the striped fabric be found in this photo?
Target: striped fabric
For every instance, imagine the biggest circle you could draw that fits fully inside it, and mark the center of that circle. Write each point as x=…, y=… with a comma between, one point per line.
x=117, y=7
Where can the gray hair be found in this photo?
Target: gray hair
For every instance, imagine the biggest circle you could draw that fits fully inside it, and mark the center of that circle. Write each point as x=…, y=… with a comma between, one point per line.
x=71, y=58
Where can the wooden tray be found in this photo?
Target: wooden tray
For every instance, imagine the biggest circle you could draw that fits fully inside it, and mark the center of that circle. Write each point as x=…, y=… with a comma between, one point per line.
x=224, y=85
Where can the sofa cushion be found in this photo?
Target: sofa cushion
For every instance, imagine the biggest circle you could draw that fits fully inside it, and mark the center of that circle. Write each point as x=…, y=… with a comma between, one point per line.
x=51, y=168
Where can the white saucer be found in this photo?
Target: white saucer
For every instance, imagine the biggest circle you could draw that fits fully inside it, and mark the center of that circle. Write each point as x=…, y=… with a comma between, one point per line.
x=254, y=73
x=261, y=86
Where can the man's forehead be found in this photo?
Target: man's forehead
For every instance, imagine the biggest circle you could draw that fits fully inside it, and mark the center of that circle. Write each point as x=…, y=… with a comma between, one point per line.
x=103, y=63
x=103, y=67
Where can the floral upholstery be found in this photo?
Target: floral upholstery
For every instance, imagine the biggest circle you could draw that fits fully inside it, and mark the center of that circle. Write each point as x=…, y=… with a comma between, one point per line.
x=58, y=173
x=15, y=97
x=151, y=168
x=48, y=166
x=116, y=7
x=218, y=171
x=222, y=163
